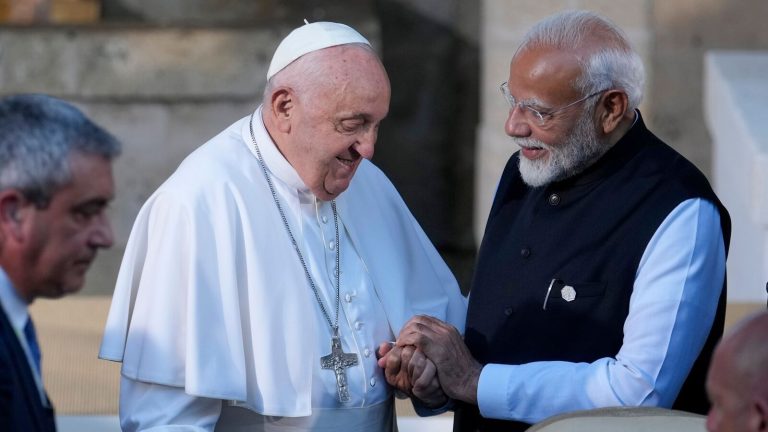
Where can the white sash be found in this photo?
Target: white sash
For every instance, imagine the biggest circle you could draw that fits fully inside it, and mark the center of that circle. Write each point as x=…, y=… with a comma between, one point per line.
x=374, y=418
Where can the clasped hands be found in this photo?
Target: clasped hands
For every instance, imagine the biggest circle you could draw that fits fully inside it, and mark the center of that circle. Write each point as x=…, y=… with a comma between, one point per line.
x=430, y=362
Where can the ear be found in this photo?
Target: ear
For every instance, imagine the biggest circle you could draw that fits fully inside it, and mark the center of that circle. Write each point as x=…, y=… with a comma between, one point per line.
x=611, y=109
x=14, y=209
x=283, y=103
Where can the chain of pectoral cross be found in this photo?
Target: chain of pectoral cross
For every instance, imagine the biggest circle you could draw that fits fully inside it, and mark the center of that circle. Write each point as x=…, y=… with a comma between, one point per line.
x=337, y=360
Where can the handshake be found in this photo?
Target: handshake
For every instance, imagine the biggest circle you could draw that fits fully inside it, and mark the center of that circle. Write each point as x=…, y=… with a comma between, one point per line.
x=430, y=362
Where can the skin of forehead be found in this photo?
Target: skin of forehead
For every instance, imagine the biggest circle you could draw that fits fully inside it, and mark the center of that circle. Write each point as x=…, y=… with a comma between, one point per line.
x=348, y=64
x=566, y=65
x=544, y=77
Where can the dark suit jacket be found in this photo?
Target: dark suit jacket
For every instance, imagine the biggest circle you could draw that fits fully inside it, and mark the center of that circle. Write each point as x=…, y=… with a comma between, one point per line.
x=20, y=406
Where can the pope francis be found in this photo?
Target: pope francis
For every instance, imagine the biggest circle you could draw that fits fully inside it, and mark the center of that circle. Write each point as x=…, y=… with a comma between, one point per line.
x=259, y=279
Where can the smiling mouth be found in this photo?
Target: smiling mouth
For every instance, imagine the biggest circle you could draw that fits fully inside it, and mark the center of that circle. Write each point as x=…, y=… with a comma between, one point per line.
x=347, y=162
x=532, y=152
x=530, y=147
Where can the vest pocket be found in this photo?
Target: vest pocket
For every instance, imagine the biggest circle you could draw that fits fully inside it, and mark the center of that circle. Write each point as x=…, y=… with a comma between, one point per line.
x=566, y=293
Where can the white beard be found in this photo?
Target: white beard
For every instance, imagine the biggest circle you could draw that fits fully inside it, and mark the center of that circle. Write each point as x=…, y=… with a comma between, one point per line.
x=577, y=152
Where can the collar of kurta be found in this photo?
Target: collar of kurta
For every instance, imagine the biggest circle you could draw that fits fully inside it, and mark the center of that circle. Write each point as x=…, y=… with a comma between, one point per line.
x=624, y=149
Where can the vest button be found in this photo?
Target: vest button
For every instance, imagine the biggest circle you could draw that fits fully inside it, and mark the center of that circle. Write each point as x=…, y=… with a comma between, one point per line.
x=554, y=199
x=525, y=252
x=508, y=311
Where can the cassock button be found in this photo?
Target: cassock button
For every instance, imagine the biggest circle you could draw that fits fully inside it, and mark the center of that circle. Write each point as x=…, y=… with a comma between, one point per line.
x=525, y=252
x=554, y=199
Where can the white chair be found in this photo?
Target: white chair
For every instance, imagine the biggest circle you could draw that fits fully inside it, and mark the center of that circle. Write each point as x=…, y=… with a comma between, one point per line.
x=623, y=419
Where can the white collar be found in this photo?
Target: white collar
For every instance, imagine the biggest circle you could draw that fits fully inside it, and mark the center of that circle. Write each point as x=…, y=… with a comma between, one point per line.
x=13, y=305
x=276, y=163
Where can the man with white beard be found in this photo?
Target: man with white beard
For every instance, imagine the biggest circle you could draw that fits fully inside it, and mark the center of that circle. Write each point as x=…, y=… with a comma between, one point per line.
x=600, y=280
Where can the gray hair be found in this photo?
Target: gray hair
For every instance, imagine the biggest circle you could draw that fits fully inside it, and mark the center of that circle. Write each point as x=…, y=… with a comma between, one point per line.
x=305, y=74
x=38, y=133
x=613, y=64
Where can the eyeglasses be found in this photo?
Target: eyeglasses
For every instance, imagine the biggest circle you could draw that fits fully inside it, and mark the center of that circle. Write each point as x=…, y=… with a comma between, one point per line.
x=538, y=116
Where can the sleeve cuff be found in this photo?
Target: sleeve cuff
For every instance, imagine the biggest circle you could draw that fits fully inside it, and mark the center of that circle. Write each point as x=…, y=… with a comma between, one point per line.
x=492, y=390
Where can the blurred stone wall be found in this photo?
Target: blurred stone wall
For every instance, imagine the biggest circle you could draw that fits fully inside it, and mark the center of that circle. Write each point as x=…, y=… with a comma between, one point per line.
x=163, y=76
x=683, y=31
x=427, y=144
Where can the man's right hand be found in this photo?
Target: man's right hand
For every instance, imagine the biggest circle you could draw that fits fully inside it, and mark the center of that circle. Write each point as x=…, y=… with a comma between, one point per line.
x=394, y=360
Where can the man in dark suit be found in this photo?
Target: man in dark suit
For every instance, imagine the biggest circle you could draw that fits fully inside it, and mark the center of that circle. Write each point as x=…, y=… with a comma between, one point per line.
x=55, y=184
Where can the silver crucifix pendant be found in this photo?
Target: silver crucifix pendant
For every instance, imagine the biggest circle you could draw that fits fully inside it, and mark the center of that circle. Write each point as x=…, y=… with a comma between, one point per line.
x=338, y=360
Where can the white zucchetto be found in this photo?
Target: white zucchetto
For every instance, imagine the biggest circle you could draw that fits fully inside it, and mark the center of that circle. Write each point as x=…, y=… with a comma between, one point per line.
x=312, y=37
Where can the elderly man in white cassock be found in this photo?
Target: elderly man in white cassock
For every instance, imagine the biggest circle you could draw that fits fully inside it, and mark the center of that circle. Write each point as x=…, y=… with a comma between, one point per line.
x=260, y=278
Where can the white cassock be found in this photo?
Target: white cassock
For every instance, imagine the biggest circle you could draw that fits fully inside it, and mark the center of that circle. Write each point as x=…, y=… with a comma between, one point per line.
x=215, y=321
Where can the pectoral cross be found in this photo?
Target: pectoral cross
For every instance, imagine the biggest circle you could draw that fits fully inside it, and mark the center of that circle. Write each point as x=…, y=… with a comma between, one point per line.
x=338, y=360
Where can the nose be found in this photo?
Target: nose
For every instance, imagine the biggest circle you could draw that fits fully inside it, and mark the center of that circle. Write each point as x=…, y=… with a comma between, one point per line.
x=102, y=235
x=516, y=125
x=365, y=145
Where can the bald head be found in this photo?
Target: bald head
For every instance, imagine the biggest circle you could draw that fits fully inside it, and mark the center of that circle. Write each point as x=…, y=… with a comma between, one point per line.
x=738, y=378
x=747, y=348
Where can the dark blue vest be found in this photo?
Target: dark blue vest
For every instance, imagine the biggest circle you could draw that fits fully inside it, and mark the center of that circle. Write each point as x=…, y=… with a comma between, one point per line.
x=589, y=232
